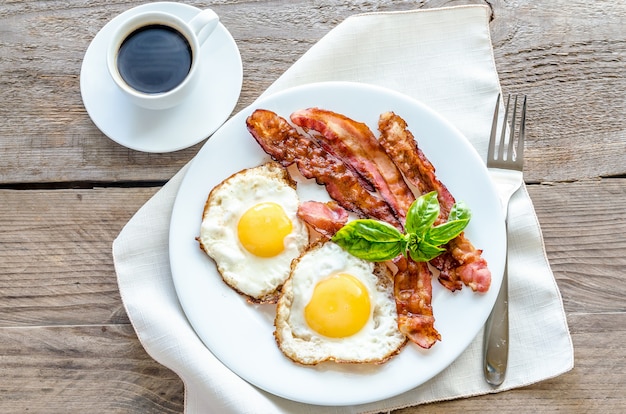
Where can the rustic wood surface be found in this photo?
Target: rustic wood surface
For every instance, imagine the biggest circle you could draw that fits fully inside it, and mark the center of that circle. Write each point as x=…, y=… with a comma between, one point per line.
x=66, y=344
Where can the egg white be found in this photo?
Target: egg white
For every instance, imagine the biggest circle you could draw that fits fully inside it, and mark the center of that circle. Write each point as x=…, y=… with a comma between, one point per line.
x=256, y=277
x=376, y=342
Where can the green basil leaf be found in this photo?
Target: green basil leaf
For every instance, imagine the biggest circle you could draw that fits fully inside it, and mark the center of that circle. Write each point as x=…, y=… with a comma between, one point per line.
x=424, y=252
x=445, y=232
x=422, y=213
x=377, y=241
x=371, y=240
x=459, y=211
x=458, y=219
x=371, y=251
x=369, y=229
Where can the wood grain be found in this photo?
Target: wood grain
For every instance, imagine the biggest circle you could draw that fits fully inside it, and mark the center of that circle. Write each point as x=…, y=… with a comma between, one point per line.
x=569, y=58
x=583, y=225
x=56, y=265
x=77, y=369
x=104, y=369
x=570, y=66
x=55, y=255
x=66, y=344
x=75, y=319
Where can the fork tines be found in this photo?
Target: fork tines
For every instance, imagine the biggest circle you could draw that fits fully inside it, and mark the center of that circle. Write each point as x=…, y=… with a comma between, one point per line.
x=508, y=153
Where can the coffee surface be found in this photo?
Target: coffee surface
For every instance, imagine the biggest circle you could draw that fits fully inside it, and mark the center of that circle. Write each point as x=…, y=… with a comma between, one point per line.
x=154, y=59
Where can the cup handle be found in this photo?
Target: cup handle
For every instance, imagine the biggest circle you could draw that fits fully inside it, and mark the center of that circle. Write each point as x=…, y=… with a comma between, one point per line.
x=203, y=24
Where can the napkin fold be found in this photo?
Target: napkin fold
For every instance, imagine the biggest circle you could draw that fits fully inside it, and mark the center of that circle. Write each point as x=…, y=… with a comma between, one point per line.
x=442, y=57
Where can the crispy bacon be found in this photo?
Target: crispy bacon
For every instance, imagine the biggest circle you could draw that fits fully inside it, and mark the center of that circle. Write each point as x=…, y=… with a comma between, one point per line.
x=472, y=269
x=413, y=293
x=461, y=262
x=355, y=144
x=284, y=144
x=399, y=143
x=325, y=218
x=448, y=275
x=351, y=149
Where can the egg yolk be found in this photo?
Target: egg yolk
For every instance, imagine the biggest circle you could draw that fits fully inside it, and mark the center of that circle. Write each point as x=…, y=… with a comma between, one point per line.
x=339, y=307
x=263, y=228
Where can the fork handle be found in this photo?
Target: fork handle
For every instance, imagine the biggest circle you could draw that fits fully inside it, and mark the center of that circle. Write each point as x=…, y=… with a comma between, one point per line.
x=496, y=336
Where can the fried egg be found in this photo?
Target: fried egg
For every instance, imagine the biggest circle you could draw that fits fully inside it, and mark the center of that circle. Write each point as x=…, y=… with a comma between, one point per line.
x=251, y=230
x=336, y=307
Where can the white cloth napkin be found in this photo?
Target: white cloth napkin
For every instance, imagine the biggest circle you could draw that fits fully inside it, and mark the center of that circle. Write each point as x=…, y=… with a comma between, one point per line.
x=444, y=58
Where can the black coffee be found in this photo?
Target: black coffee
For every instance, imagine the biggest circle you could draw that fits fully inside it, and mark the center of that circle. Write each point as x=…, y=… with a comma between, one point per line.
x=154, y=59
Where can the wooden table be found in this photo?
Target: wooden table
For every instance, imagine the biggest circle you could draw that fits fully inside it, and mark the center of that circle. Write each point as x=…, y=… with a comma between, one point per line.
x=66, y=344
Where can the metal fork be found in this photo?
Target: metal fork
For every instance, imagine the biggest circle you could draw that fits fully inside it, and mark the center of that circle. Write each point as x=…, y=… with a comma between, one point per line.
x=505, y=161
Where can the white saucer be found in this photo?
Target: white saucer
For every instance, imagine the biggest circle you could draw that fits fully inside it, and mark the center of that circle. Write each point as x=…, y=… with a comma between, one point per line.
x=211, y=103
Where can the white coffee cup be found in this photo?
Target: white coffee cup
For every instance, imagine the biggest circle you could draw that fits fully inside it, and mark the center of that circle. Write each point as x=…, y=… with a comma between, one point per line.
x=147, y=56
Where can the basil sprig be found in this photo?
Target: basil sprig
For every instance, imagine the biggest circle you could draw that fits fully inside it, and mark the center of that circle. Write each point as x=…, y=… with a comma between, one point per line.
x=377, y=241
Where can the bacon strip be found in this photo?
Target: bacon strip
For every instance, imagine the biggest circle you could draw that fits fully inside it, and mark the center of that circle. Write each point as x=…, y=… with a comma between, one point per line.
x=286, y=145
x=461, y=262
x=413, y=293
x=399, y=143
x=355, y=144
x=325, y=218
x=412, y=282
x=448, y=276
x=472, y=269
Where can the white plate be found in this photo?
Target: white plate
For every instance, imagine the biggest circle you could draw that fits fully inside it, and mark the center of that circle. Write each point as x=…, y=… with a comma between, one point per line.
x=212, y=101
x=241, y=335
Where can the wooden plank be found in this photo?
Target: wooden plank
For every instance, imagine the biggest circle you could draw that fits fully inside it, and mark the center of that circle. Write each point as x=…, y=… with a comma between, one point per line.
x=77, y=369
x=583, y=224
x=103, y=368
x=576, y=106
x=571, y=67
x=56, y=266
x=66, y=344
x=55, y=255
x=66, y=365
x=44, y=46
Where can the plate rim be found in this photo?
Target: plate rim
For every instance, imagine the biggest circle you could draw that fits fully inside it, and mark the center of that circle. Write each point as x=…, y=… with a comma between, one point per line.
x=315, y=87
